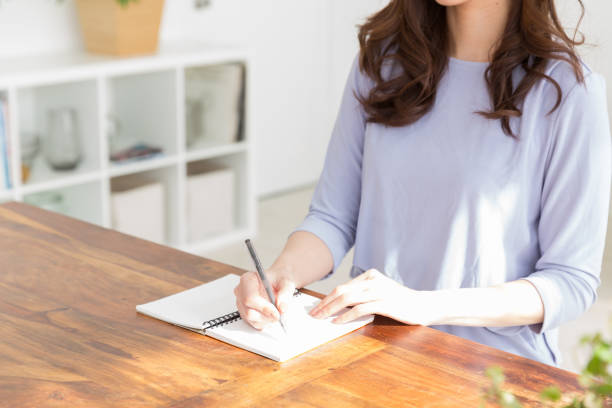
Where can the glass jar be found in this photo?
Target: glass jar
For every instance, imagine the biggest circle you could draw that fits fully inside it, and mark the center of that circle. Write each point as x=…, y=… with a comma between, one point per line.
x=62, y=147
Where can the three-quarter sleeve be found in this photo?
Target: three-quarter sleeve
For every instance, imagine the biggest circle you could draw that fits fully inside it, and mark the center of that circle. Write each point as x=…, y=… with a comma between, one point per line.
x=574, y=205
x=335, y=204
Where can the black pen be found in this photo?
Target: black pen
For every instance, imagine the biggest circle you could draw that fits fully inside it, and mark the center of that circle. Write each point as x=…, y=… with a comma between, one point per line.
x=263, y=278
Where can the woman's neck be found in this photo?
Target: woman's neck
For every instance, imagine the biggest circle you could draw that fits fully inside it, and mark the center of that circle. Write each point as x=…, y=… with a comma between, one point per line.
x=475, y=27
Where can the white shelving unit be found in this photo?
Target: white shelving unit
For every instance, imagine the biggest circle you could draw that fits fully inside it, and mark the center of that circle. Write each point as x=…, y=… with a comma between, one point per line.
x=147, y=96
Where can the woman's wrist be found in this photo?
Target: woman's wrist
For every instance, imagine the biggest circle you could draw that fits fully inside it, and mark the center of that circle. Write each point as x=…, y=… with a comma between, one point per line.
x=438, y=307
x=489, y=306
x=462, y=306
x=279, y=271
x=433, y=305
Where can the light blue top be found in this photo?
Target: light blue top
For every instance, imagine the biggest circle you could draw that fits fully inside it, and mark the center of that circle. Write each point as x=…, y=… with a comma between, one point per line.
x=452, y=202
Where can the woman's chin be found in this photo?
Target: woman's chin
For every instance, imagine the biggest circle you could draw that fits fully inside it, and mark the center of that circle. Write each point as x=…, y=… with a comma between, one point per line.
x=448, y=3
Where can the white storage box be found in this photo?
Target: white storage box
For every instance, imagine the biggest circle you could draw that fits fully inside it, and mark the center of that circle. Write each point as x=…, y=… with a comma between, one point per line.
x=210, y=202
x=139, y=209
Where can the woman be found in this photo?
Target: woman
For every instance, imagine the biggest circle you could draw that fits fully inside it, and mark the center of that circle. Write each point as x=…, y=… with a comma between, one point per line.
x=470, y=168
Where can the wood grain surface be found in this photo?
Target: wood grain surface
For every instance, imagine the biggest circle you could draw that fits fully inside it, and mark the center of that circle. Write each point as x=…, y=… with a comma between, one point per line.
x=71, y=337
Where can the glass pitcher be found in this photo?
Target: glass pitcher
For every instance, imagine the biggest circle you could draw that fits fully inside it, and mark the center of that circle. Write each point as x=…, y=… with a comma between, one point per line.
x=62, y=147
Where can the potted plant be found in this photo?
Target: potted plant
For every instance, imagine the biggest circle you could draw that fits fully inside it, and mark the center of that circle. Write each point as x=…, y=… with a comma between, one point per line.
x=595, y=379
x=120, y=27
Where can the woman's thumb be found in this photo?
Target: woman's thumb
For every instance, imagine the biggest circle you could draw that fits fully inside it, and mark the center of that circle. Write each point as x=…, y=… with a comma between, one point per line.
x=286, y=288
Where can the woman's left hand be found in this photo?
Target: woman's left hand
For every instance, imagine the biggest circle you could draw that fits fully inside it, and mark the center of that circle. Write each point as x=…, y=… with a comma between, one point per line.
x=374, y=293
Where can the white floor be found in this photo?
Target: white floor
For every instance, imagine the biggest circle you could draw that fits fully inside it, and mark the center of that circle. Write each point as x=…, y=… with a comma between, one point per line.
x=279, y=215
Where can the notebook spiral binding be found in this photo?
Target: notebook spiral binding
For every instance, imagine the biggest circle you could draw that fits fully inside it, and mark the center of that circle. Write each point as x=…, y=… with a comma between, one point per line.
x=220, y=321
x=229, y=318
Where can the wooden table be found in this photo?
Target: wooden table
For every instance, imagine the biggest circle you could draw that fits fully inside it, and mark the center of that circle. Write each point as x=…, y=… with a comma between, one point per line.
x=70, y=336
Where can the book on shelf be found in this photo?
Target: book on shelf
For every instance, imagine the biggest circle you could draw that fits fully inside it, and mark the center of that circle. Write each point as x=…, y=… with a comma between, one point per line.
x=214, y=104
x=5, y=147
x=136, y=152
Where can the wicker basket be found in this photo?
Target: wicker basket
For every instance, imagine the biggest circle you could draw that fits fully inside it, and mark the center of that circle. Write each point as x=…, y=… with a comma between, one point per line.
x=109, y=28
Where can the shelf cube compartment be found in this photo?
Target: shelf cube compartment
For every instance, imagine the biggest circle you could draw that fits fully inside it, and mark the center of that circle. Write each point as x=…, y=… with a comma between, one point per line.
x=58, y=130
x=142, y=116
x=216, y=197
x=214, y=105
x=210, y=202
x=5, y=196
x=81, y=201
x=144, y=205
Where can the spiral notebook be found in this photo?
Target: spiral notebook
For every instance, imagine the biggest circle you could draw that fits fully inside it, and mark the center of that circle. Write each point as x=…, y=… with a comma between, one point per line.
x=210, y=309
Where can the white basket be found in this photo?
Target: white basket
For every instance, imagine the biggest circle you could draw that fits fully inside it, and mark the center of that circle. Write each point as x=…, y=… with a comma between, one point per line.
x=139, y=210
x=210, y=203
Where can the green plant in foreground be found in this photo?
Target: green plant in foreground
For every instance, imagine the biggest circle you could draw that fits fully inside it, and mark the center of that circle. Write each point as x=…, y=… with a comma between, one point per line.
x=595, y=379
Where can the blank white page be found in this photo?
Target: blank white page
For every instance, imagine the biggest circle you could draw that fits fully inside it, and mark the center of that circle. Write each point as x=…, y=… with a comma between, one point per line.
x=303, y=332
x=192, y=307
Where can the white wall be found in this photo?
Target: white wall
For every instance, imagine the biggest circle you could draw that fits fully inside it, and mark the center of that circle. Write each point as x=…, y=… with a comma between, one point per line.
x=346, y=15
x=37, y=26
x=597, y=52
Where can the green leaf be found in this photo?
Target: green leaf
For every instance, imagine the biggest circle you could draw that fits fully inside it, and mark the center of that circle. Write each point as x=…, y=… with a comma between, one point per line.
x=596, y=366
x=574, y=404
x=586, y=339
x=603, y=389
x=496, y=374
x=603, y=352
x=552, y=393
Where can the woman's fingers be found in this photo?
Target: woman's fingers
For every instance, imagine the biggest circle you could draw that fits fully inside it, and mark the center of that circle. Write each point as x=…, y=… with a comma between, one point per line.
x=349, y=294
x=284, y=294
x=252, y=317
x=356, y=312
x=368, y=275
x=339, y=303
x=337, y=292
x=354, y=292
x=361, y=281
x=263, y=306
x=252, y=306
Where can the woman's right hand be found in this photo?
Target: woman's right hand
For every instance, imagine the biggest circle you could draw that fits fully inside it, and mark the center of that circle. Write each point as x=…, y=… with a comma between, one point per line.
x=253, y=302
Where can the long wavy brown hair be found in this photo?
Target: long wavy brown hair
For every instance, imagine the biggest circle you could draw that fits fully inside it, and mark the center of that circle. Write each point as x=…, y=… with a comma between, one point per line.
x=413, y=34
